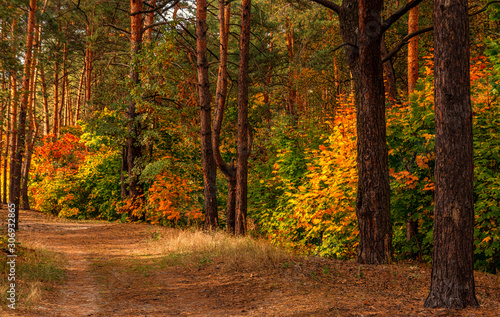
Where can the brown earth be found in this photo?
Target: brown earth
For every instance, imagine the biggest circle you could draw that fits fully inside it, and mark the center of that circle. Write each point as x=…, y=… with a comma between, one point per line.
x=109, y=273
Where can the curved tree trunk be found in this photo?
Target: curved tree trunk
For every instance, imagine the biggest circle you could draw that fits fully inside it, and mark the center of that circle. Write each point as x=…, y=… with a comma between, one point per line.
x=452, y=278
x=229, y=171
x=207, y=153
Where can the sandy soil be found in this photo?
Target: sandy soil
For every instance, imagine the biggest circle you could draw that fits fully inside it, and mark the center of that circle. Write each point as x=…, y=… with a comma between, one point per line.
x=107, y=277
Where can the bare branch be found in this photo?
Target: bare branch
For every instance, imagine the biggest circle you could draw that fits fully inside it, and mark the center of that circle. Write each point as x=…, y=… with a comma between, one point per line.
x=330, y=5
x=484, y=8
x=404, y=41
x=117, y=28
x=398, y=14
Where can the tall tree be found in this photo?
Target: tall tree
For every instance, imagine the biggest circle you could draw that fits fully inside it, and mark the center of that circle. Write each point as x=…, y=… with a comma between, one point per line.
x=134, y=150
x=15, y=179
x=243, y=126
x=361, y=30
x=229, y=170
x=372, y=202
x=452, y=279
x=207, y=153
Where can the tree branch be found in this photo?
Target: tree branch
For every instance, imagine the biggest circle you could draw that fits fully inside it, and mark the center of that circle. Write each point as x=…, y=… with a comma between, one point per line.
x=398, y=14
x=330, y=5
x=484, y=8
x=345, y=44
x=117, y=28
x=404, y=41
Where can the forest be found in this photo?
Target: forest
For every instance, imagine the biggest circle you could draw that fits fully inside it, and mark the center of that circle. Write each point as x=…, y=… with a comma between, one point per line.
x=354, y=130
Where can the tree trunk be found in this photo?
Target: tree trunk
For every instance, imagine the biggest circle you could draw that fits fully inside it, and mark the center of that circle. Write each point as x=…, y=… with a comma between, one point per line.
x=46, y=124
x=14, y=127
x=88, y=68
x=15, y=179
x=134, y=150
x=412, y=50
x=229, y=171
x=150, y=17
x=79, y=98
x=292, y=92
x=207, y=153
x=243, y=126
x=55, y=114
x=452, y=278
x=372, y=202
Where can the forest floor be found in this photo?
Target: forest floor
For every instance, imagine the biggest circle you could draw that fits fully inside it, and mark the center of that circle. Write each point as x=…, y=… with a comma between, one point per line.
x=114, y=269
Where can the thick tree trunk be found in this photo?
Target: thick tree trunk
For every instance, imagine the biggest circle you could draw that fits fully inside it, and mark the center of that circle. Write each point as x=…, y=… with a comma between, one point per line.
x=452, y=279
x=412, y=50
x=220, y=101
x=134, y=150
x=207, y=153
x=150, y=17
x=372, y=202
x=15, y=179
x=243, y=126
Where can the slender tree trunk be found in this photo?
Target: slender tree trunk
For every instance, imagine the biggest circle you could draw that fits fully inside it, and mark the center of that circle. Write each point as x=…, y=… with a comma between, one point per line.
x=124, y=169
x=452, y=278
x=6, y=156
x=372, y=202
x=55, y=113
x=228, y=170
x=79, y=98
x=207, y=153
x=412, y=50
x=150, y=17
x=46, y=124
x=88, y=68
x=15, y=179
x=292, y=92
x=63, y=88
x=243, y=126
x=134, y=150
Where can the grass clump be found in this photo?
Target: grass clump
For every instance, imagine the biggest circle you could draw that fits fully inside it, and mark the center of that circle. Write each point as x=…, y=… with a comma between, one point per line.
x=36, y=271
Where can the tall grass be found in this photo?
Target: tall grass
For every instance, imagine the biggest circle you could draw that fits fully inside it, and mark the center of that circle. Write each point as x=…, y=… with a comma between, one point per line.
x=191, y=248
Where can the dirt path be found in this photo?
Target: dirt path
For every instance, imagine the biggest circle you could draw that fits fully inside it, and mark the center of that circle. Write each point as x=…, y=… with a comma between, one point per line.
x=111, y=273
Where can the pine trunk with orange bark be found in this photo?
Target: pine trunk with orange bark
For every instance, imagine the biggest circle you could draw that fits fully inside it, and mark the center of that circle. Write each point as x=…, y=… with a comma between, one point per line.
x=412, y=50
x=15, y=179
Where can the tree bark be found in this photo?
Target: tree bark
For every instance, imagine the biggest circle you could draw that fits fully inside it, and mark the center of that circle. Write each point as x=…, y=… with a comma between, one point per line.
x=243, y=126
x=79, y=98
x=452, y=278
x=134, y=150
x=372, y=202
x=228, y=170
x=389, y=76
x=88, y=68
x=207, y=153
x=55, y=113
x=46, y=124
x=15, y=179
x=149, y=21
x=412, y=50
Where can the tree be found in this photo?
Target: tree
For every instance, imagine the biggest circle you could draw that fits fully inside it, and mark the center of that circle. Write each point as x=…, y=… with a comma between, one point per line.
x=452, y=279
x=412, y=50
x=207, y=153
x=15, y=178
x=243, y=126
x=229, y=170
x=134, y=150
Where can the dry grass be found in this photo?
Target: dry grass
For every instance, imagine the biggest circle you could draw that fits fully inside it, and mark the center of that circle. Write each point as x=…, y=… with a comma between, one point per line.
x=37, y=269
x=197, y=248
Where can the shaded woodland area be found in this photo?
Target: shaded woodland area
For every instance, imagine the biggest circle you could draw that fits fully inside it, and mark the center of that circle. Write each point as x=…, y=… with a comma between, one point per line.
x=364, y=130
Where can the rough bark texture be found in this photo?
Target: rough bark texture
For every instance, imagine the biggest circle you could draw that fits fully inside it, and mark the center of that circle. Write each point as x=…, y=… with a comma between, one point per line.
x=452, y=279
x=15, y=178
x=228, y=170
x=134, y=150
x=243, y=127
x=412, y=50
x=207, y=153
x=372, y=202
x=46, y=124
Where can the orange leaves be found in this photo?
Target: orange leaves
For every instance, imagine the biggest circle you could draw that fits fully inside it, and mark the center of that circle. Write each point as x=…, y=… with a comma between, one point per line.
x=169, y=199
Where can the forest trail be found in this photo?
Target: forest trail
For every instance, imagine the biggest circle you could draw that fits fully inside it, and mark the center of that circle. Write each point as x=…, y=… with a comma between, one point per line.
x=113, y=270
